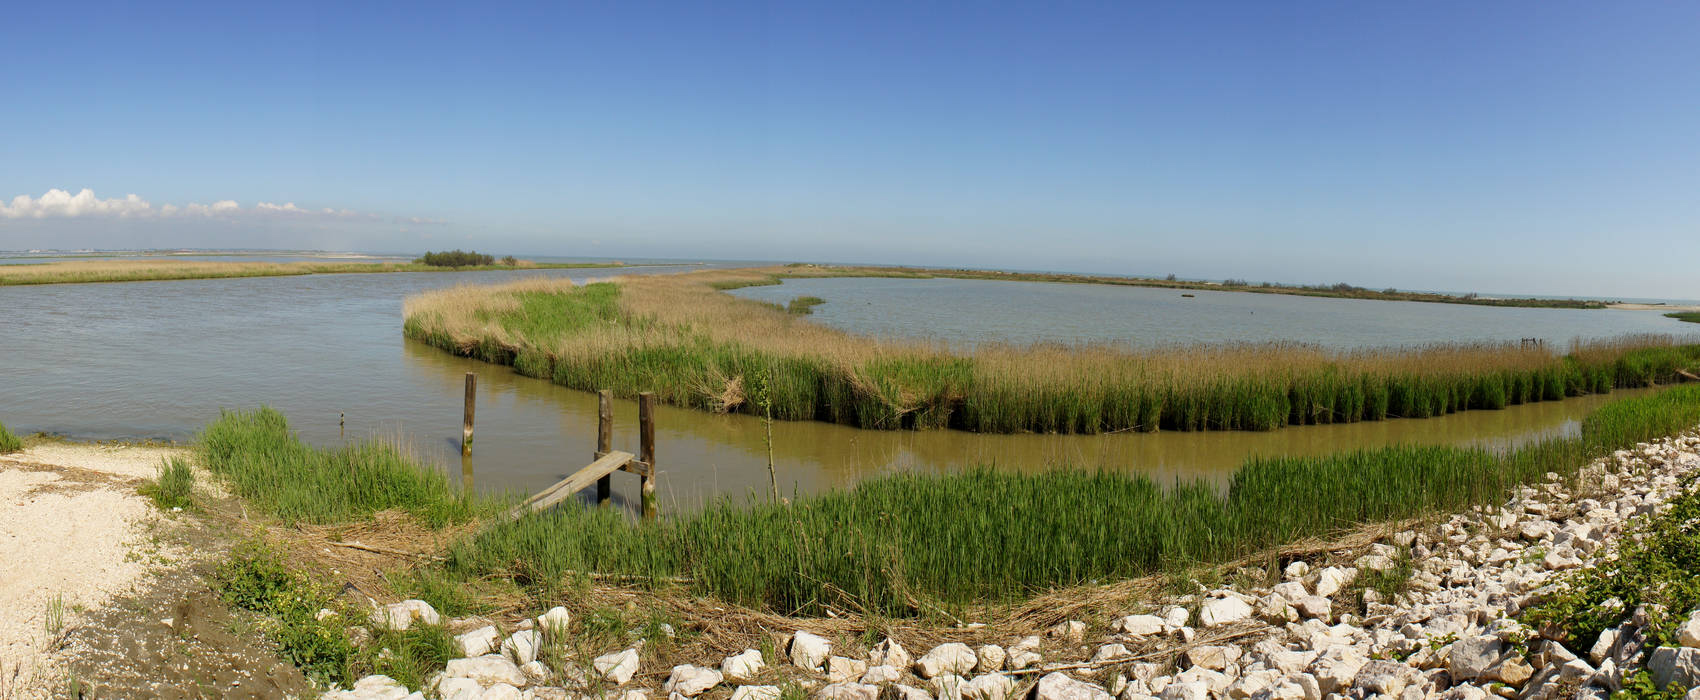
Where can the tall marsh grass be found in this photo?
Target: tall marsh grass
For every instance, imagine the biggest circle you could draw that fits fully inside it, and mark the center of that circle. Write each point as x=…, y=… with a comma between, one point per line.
x=262, y=461
x=902, y=544
x=675, y=335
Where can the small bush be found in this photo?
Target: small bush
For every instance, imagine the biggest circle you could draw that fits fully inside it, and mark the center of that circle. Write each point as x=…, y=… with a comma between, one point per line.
x=456, y=258
x=8, y=441
x=175, y=486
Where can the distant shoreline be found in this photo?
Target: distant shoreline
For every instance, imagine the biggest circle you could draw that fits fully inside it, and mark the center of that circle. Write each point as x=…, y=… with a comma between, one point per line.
x=154, y=270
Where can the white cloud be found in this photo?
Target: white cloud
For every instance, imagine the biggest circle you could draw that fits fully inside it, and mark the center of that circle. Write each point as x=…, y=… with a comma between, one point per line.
x=60, y=204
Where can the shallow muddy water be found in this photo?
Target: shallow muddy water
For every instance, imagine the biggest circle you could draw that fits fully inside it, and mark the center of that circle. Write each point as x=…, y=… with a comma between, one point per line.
x=160, y=359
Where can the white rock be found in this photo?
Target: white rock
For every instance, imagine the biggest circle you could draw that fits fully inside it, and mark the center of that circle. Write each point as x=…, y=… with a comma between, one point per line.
x=1140, y=625
x=843, y=669
x=556, y=619
x=1253, y=682
x=904, y=692
x=809, y=651
x=523, y=646
x=1213, y=657
x=948, y=686
x=1672, y=665
x=756, y=692
x=1688, y=634
x=1291, y=590
x=1110, y=651
x=1176, y=616
x=1058, y=686
x=742, y=667
x=620, y=666
x=1073, y=631
x=889, y=653
x=488, y=669
x=1191, y=690
x=1315, y=606
x=991, y=686
x=953, y=658
x=1222, y=611
x=848, y=691
x=880, y=675
x=1022, y=659
x=502, y=691
x=536, y=672
x=459, y=689
x=1296, y=570
x=1329, y=581
x=691, y=681
x=1336, y=668
x=1473, y=656
x=401, y=616
x=478, y=642
x=991, y=658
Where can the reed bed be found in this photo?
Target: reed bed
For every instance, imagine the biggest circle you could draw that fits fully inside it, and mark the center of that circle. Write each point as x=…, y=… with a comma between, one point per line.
x=675, y=335
x=1689, y=316
x=908, y=544
x=83, y=271
x=261, y=460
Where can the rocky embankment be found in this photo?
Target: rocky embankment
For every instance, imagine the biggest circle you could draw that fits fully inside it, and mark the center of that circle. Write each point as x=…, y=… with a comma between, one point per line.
x=1427, y=612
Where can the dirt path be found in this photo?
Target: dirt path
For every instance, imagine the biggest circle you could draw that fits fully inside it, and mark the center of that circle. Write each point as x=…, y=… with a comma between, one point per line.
x=103, y=595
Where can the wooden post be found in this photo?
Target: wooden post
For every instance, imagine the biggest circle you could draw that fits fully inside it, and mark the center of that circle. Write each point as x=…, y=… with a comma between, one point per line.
x=466, y=423
x=646, y=450
x=604, y=442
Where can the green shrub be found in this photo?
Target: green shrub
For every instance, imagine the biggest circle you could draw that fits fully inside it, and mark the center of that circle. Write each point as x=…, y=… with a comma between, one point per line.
x=8, y=441
x=456, y=258
x=256, y=579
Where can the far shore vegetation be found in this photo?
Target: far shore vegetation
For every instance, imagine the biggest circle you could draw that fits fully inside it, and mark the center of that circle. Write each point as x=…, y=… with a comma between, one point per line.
x=1339, y=290
x=907, y=545
x=678, y=336
x=81, y=271
x=1689, y=316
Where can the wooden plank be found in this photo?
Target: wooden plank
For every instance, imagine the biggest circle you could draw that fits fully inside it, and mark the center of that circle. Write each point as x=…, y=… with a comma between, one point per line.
x=579, y=481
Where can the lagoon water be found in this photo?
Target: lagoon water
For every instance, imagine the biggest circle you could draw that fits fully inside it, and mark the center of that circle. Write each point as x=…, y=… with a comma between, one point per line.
x=967, y=312
x=160, y=359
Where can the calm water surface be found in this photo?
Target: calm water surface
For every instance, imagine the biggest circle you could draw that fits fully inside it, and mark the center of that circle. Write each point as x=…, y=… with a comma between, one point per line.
x=968, y=312
x=160, y=359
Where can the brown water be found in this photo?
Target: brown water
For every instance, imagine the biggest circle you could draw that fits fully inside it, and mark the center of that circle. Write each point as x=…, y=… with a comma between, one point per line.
x=160, y=359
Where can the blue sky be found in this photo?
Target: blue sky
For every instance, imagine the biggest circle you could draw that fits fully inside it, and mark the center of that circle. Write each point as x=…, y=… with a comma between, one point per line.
x=1545, y=147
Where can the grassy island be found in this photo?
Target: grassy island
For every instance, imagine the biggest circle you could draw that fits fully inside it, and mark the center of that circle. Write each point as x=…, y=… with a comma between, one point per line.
x=676, y=335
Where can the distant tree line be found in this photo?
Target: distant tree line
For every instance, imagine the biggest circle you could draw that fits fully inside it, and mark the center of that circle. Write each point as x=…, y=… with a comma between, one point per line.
x=458, y=258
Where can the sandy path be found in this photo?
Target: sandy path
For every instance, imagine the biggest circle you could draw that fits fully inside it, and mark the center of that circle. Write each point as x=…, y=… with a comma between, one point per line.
x=72, y=529
x=1652, y=307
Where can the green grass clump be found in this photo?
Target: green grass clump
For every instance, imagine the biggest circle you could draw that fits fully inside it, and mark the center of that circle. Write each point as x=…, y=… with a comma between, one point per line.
x=8, y=441
x=267, y=465
x=175, y=486
x=1658, y=571
x=1689, y=316
x=905, y=544
x=257, y=579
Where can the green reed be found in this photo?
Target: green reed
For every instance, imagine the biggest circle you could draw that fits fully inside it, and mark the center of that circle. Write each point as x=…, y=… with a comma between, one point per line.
x=8, y=441
x=262, y=461
x=907, y=543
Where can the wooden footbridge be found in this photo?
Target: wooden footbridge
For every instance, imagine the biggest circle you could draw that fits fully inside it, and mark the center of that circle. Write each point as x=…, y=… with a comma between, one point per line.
x=606, y=461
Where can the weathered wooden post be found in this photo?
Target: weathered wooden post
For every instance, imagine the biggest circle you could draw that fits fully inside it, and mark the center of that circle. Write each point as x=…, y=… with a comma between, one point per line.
x=466, y=422
x=604, y=443
x=646, y=450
